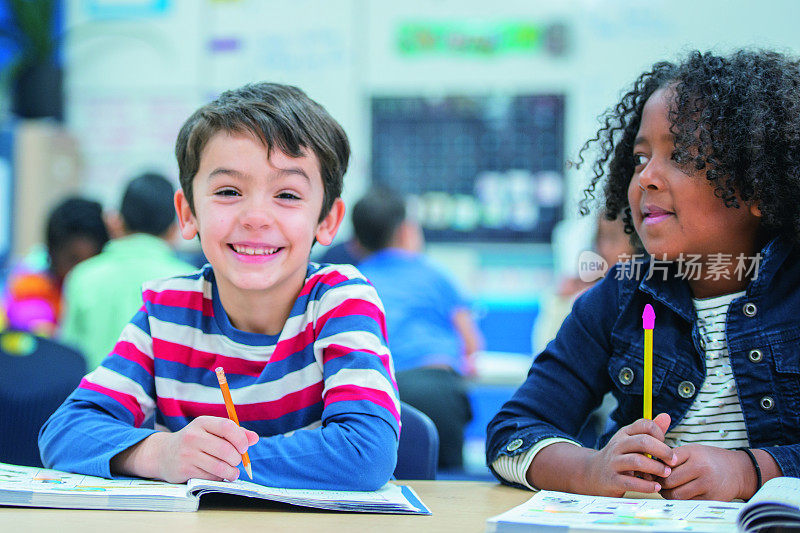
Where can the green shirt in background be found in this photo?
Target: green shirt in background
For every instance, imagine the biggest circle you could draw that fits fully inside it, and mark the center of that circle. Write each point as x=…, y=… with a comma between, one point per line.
x=103, y=293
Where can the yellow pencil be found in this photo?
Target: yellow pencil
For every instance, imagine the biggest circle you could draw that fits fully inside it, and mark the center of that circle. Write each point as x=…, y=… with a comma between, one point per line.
x=648, y=323
x=226, y=395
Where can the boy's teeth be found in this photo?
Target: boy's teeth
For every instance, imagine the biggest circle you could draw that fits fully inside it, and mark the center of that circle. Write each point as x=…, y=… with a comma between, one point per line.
x=247, y=250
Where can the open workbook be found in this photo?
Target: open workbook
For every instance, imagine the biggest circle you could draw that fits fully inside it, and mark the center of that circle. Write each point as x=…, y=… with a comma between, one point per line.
x=776, y=505
x=38, y=487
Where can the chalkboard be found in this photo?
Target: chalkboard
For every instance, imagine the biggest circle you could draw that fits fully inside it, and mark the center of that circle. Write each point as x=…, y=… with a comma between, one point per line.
x=474, y=168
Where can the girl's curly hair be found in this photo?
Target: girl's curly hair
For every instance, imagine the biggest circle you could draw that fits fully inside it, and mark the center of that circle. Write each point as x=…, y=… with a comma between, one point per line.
x=735, y=117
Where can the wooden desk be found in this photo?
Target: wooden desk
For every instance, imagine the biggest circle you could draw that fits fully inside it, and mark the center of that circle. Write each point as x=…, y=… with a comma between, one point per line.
x=458, y=506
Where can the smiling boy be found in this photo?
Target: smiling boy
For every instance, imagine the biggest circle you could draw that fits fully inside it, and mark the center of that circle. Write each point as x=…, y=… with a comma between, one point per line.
x=303, y=346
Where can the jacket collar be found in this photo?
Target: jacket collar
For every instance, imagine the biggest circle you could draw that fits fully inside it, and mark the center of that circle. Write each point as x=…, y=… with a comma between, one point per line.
x=673, y=291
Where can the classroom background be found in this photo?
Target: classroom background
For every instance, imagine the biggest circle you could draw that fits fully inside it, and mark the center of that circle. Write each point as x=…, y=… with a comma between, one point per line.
x=471, y=109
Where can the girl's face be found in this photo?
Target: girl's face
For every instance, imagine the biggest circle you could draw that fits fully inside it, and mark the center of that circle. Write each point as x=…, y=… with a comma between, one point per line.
x=677, y=213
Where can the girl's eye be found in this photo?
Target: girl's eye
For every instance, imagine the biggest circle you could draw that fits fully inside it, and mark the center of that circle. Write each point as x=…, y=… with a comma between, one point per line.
x=639, y=159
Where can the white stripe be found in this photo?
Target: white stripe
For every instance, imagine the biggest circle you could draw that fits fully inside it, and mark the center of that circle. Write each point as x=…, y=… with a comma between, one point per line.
x=207, y=342
x=257, y=393
x=348, y=271
x=180, y=284
x=339, y=294
x=139, y=338
x=357, y=340
x=362, y=377
x=113, y=380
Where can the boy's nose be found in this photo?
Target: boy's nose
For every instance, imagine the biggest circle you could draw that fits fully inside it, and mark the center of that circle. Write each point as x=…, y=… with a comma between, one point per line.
x=257, y=214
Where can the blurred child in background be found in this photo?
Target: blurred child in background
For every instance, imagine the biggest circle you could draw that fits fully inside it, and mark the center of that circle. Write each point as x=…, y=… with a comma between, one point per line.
x=429, y=324
x=75, y=232
x=103, y=293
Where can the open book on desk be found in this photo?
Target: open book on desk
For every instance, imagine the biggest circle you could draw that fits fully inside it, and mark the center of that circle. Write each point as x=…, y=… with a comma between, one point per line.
x=777, y=503
x=39, y=487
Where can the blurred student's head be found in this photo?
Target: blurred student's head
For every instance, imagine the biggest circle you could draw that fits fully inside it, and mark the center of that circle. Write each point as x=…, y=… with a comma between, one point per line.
x=380, y=221
x=611, y=241
x=147, y=205
x=75, y=232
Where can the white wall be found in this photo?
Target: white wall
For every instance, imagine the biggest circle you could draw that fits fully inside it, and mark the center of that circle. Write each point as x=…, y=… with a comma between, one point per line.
x=132, y=79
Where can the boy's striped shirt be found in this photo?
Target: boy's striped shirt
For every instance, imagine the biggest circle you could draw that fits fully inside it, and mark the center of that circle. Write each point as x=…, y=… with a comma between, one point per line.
x=331, y=358
x=163, y=365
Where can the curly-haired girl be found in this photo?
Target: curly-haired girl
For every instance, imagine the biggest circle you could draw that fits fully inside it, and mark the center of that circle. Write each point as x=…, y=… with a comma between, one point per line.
x=702, y=161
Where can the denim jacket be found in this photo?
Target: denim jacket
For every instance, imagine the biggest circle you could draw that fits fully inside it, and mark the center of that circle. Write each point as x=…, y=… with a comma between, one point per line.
x=600, y=345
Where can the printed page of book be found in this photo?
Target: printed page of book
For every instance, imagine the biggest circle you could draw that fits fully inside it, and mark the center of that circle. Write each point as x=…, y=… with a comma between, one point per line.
x=784, y=490
x=390, y=498
x=40, y=487
x=775, y=505
x=559, y=509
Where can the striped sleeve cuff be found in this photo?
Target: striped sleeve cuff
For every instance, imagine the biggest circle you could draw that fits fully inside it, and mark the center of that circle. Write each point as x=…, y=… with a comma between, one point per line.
x=514, y=468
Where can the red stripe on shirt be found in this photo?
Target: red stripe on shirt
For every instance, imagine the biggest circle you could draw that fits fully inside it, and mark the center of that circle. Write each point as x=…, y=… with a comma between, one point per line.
x=129, y=351
x=194, y=358
x=355, y=393
x=292, y=345
x=329, y=278
x=334, y=351
x=185, y=299
x=127, y=401
x=294, y=401
x=352, y=307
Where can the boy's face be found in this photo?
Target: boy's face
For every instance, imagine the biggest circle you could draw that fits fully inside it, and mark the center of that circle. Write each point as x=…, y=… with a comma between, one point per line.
x=257, y=214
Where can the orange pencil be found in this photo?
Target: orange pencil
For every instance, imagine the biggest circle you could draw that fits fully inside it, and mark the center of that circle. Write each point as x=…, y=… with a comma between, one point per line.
x=226, y=395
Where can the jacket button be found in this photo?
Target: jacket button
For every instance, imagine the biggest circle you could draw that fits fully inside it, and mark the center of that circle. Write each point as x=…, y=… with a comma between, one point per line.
x=749, y=309
x=702, y=343
x=767, y=403
x=755, y=356
x=686, y=389
x=513, y=445
x=625, y=375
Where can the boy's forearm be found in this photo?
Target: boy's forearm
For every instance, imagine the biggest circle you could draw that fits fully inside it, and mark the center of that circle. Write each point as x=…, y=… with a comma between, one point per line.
x=140, y=459
x=561, y=466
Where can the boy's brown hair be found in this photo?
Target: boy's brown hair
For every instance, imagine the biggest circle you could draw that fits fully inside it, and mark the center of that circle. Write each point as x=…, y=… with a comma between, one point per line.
x=281, y=116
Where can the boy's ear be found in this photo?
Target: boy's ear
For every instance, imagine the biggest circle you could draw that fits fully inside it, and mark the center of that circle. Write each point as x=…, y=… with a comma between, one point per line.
x=328, y=226
x=186, y=219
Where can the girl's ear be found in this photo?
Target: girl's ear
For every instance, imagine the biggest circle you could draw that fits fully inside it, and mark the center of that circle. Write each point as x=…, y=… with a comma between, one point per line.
x=186, y=219
x=755, y=210
x=328, y=226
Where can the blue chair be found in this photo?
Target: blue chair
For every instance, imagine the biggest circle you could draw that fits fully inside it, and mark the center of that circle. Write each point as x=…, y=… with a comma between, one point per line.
x=36, y=376
x=418, y=451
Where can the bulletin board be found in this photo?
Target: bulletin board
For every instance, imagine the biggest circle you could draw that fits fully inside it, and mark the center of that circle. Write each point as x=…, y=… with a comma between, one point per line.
x=474, y=168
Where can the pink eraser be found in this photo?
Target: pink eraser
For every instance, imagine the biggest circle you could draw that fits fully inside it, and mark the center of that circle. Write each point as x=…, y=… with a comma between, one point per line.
x=648, y=317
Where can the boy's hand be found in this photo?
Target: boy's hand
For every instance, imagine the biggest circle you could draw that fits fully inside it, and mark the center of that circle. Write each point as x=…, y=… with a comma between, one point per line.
x=709, y=473
x=622, y=465
x=209, y=447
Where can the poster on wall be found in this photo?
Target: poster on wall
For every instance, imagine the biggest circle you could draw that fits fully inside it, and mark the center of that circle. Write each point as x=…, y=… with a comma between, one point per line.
x=474, y=168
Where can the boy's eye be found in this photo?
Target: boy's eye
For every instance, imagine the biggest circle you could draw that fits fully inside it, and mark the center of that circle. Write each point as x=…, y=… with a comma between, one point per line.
x=227, y=192
x=288, y=196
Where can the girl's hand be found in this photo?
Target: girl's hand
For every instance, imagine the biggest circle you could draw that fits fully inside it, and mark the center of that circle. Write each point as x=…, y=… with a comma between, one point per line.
x=622, y=465
x=709, y=473
x=209, y=447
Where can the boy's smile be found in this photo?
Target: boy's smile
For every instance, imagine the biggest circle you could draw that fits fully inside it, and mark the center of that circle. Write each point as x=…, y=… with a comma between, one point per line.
x=257, y=214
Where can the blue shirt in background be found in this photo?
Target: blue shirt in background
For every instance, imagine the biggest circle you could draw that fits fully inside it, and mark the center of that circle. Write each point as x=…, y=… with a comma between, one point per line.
x=420, y=302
